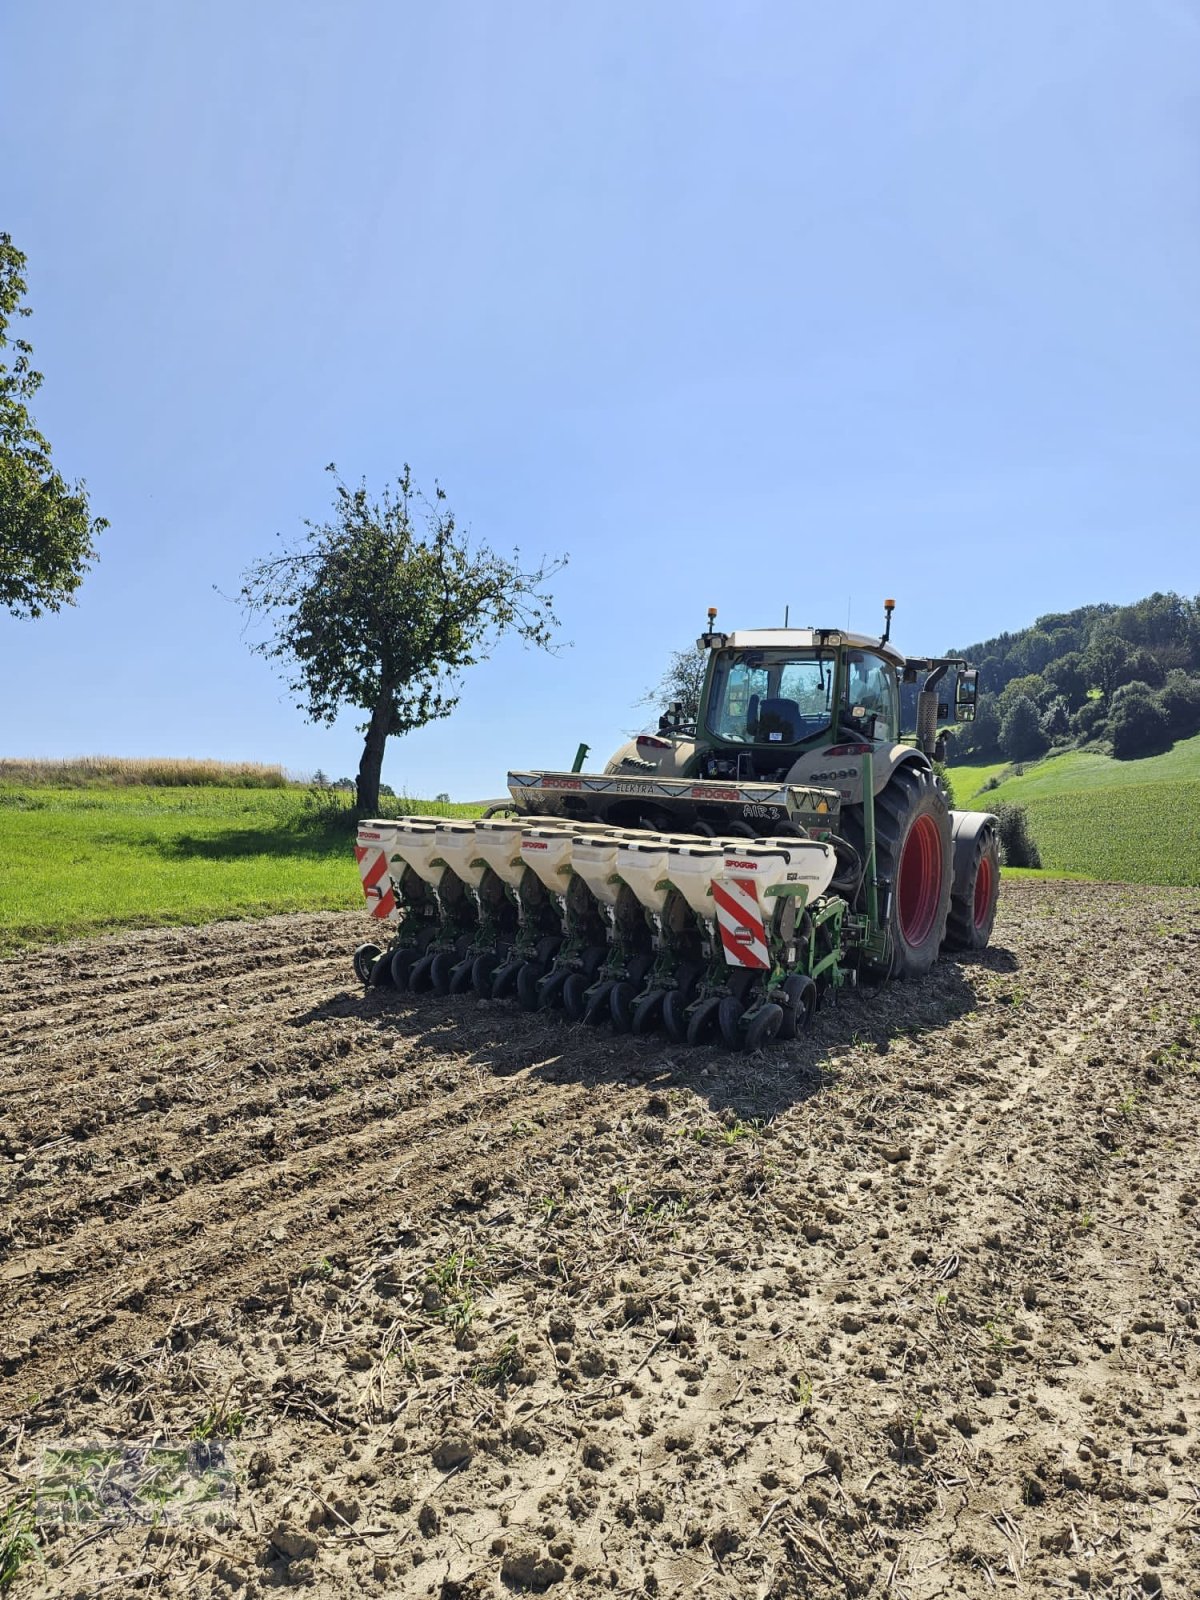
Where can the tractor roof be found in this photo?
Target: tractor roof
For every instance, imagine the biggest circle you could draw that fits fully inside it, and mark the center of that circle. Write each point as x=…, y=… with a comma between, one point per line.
x=809, y=639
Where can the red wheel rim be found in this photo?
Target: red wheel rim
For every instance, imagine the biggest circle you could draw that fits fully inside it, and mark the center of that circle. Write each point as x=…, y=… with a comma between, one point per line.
x=920, y=880
x=983, y=891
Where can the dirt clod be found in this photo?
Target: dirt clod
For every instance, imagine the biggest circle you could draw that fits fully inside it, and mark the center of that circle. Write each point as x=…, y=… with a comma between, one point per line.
x=528, y=1567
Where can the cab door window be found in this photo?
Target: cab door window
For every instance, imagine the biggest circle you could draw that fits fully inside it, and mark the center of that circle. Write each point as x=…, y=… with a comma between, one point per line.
x=872, y=691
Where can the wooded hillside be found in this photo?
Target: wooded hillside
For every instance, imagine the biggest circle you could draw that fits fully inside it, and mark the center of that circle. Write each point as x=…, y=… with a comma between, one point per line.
x=1125, y=677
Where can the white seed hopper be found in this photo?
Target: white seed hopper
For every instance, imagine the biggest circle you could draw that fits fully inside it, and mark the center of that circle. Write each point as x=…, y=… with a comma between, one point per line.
x=457, y=848
x=498, y=842
x=547, y=853
x=810, y=862
x=378, y=834
x=691, y=868
x=415, y=841
x=641, y=863
x=594, y=859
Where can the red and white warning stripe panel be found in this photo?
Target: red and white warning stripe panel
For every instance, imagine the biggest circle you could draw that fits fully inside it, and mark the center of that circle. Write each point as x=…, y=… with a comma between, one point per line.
x=740, y=923
x=376, y=880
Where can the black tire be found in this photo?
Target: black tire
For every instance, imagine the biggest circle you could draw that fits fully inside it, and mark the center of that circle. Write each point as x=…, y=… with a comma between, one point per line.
x=440, y=971
x=365, y=958
x=483, y=970
x=798, y=999
x=403, y=961
x=729, y=1016
x=674, y=1015
x=762, y=1027
x=381, y=973
x=420, y=980
x=912, y=845
x=647, y=1012
x=620, y=1004
x=504, y=979
x=598, y=1009
x=973, y=908
x=529, y=977
x=460, y=978
x=703, y=1022
x=550, y=989
x=574, y=996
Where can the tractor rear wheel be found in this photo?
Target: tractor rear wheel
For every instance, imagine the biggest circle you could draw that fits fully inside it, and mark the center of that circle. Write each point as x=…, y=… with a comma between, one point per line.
x=912, y=847
x=973, y=908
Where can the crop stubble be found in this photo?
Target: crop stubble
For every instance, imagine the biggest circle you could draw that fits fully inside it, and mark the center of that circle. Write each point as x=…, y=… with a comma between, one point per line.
x=493, y=1304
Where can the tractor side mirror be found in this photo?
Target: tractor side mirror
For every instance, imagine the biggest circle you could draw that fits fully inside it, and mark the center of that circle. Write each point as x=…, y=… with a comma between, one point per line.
x=966, y=695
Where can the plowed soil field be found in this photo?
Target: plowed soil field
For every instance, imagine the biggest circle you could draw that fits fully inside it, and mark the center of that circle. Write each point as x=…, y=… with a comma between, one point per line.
x=479, y=1303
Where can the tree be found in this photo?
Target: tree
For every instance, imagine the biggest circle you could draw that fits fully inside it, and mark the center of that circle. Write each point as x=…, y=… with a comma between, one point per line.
x=683, y=680
x=46, y=527
x=1104, y=661
x=1088, y=722
x=1056, y=720
x=1021, y=738
x=384, y=607
x=1137, y=723
x=1069, y=678
x=1180, y=699
x=1032, y=686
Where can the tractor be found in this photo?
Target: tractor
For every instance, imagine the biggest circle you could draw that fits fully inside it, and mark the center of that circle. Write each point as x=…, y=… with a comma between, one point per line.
x=725, y=872
x=785, y=713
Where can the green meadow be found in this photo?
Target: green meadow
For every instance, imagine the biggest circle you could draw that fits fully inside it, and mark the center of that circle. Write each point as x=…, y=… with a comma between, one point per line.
x=1118, y=821
x=80, y=860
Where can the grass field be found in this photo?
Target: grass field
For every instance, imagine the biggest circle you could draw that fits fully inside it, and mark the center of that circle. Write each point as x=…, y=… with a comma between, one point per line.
x=88, y=856
x=76, y=861
x=1120, y=821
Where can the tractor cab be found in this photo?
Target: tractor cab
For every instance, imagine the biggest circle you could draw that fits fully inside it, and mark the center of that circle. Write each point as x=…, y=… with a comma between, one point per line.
x=770, y=696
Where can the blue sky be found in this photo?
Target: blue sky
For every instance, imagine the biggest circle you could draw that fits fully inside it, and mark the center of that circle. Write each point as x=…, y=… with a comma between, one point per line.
x=740, y=304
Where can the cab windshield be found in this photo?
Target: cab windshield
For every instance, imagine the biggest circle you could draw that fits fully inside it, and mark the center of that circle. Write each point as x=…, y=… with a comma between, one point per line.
x=770, y=696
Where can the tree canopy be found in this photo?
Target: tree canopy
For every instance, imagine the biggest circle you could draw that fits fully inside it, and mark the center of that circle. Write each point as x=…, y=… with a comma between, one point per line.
x=384, y=607
x=1074, y=667
x=46, y=526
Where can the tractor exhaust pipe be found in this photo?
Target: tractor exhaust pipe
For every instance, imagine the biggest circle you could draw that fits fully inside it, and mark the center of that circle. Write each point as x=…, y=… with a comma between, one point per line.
x=927, y=712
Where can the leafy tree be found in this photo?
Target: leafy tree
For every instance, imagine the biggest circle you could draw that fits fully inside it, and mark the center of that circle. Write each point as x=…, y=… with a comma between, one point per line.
x=1021, y=738
x=1068, y=677
x=1142, y=666
x=1088, y=721
x=1018, y=848
x=1056, y=720
x=46, y=527
x=1033, y=650
x=1137, y=723
x=984, y=732
x=1104, y=662
x=383, y=607
x=1180, y=699
x=682, y=681
x=1031, y=686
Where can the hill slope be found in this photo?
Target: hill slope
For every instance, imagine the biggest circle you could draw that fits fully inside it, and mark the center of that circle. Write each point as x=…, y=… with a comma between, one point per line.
x=1121, y=821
